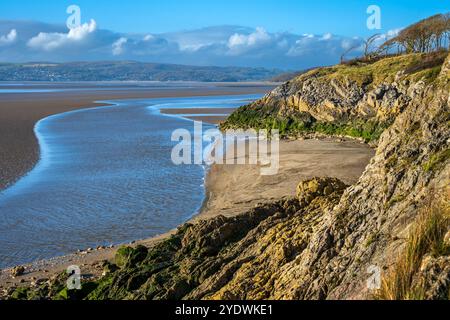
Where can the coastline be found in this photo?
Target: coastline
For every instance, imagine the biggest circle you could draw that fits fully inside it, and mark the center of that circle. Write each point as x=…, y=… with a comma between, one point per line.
x=230, y=190
x=19, y=113
x=63, y=103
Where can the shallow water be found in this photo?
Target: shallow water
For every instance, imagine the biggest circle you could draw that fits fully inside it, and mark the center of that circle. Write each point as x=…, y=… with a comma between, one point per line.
x=105, y=177
x=29, y=90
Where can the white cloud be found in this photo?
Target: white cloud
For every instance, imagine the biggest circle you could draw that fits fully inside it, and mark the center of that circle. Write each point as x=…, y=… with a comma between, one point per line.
x=239, y=43
x=51, y=41
x=149, y=37
x=220, y=45
x=82, y=31
x=328, y=44
x=9, y=38
x=117, y=46
x=347, y=44
x=327, y=36
x=192, y=47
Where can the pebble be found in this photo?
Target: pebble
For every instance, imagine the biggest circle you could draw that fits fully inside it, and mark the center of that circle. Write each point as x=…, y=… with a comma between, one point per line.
x=18, y=271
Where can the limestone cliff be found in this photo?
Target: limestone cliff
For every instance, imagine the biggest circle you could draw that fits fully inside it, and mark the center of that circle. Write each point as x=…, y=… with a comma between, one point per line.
x=359, y=100
x=321, y=244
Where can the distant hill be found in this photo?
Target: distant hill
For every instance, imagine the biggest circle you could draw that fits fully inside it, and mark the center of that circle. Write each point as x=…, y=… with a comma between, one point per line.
x=129, y=71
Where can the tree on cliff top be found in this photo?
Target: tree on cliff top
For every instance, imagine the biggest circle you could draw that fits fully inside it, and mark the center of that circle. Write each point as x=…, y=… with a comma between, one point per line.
x=427, y=35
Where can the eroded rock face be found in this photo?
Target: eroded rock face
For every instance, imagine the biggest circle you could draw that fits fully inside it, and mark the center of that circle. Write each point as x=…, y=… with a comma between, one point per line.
x=434, y=278
x=325, y=101
x=309, y=190
x=374, y=214
x=227, y=258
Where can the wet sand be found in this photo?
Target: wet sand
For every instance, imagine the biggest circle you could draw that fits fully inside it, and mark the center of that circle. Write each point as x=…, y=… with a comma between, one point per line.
x=199, y=111
x=19, y=112
x=208, y=119
x=231, y=190
x=209, y=115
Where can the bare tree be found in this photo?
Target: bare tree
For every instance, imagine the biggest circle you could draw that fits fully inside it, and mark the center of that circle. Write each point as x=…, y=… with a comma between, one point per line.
x=430, y=34
x=368, y=45
x=347, y=52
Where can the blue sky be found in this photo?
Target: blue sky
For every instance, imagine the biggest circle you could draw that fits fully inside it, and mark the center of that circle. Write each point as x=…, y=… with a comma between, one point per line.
x=340, y=17
x=167, y=21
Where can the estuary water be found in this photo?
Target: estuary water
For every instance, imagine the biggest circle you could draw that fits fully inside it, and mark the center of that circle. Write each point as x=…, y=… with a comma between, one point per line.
x=105, y=177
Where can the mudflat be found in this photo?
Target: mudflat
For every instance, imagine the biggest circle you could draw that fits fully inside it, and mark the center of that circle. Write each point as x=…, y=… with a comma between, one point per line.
x=19, y=112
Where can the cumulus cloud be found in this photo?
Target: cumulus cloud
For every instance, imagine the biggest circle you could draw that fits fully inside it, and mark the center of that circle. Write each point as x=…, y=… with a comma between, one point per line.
x=328, y=44
x=327, y=36
x=118, y=46
x=240, y=43
x=220, y=45
x=8, y=38
x=51, y=41
x=259, y=36
x=147, y=46
x=149, y=37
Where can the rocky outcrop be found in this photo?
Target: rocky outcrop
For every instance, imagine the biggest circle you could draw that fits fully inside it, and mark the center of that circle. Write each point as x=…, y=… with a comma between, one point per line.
x=356, y=101
x=434, y=278
x=323, y=243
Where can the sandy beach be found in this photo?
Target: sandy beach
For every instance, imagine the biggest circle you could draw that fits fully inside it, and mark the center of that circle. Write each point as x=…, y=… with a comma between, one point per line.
x=19, y=112
x=231, y=190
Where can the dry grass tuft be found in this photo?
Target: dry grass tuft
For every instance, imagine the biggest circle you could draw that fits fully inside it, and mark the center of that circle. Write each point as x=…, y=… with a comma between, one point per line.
x=426, y=237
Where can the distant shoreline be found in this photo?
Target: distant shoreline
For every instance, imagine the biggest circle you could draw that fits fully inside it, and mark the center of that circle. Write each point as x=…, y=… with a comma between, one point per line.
x=131, y=71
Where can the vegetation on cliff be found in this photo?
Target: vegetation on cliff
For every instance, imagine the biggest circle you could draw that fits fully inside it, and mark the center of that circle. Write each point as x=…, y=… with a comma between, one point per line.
x=358, y=100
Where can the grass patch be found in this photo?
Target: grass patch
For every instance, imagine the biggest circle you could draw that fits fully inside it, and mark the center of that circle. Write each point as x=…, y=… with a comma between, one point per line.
x=429, y=61
x=267, y=118
x=426, y=237
x=436, y=160
x=372, y=72
x=372, y=238
x=395, y=200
